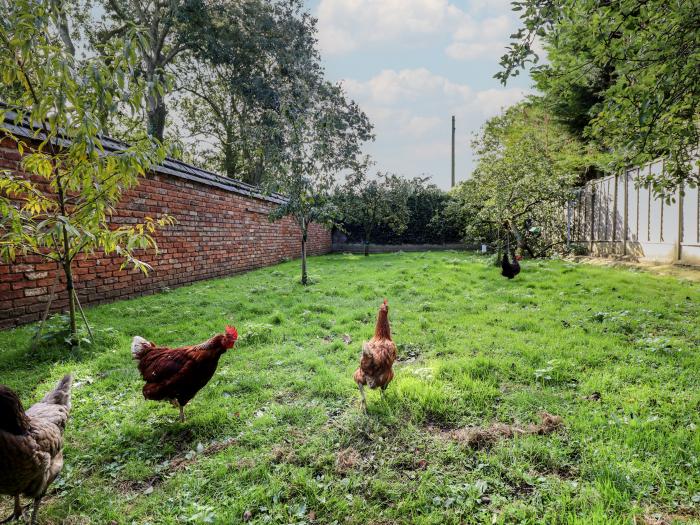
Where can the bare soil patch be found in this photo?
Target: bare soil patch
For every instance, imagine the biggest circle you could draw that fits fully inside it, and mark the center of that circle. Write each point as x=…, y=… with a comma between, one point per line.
x=484, y=437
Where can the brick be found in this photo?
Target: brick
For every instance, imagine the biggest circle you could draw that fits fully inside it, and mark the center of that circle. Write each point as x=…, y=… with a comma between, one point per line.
x=33, y=292
x=32, y=276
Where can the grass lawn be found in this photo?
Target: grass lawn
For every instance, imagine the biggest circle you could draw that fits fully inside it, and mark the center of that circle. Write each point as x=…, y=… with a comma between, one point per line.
x=278, y=435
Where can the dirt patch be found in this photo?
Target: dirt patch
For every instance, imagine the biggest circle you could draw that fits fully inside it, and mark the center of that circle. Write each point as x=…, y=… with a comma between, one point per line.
x=409, y=353
x=484, y=437
x=180, y=439
x=594, y=396
x=691, y=273
x=346, y=460
x=282, y=453
x=286, y=397
x=658, y=518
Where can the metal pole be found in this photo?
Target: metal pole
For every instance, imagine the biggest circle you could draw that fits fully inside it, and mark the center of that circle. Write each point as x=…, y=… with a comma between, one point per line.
x=453, y=151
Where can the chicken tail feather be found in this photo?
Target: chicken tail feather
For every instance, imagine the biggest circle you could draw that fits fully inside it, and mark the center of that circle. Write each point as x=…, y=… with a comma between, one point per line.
x=137, y=345
x=61, y=394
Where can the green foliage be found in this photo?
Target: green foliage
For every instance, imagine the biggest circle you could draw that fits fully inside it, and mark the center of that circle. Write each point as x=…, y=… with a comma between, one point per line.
x=395, y=210
x=373, y=204
x=324, y=134
x=234, y=107
x=269, y=431
x=62, y=210
x=174, y=29
x=527, y=165
x=626, y=73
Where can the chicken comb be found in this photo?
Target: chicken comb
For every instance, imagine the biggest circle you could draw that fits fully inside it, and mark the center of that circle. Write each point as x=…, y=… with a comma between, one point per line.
x=231, y=330
x=386, y=303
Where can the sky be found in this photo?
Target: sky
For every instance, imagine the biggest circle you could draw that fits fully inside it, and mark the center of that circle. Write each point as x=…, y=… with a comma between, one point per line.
x=411, y=65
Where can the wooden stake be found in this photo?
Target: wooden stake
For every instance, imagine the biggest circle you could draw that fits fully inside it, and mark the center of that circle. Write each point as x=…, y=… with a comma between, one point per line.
x=87, y=325
x=46, y=310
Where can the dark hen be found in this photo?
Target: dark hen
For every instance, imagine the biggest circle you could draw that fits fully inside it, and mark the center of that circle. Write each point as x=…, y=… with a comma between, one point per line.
x=510, y=269
x=31, y=444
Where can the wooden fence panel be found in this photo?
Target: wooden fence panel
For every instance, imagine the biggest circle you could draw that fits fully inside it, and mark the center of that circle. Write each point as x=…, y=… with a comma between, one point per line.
x=616, y=215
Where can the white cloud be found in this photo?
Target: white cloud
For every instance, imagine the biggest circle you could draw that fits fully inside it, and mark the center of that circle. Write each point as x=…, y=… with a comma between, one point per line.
x=491, y=101
x=473, y=50
x=346, y=25
x=349, y=25
x=411, y=110
x=407, y=85
x=486, y=39
x=420, y=89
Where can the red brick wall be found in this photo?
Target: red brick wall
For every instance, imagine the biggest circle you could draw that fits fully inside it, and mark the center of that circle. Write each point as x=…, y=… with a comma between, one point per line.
x=218, y=232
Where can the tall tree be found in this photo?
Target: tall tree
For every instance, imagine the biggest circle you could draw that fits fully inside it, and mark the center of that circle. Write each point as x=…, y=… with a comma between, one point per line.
x=235, y=106
x=175, y=28
x=62, y=210
x=626, y=72
x=323, y=137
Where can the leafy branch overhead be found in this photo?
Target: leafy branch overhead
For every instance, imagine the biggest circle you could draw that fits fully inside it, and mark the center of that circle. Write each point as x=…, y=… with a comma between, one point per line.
x=623, y=74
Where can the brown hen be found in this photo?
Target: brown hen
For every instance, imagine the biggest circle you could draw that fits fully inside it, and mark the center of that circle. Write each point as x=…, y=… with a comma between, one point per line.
x=31, y=444
x=378, y=356
x=177, y=374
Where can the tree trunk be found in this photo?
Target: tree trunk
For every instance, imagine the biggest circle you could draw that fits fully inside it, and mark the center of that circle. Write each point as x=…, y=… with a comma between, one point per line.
x=156, y=117
x=520, y=240
x=366, y=245
x=304, y=276
x=71, y=298
x=230, y=161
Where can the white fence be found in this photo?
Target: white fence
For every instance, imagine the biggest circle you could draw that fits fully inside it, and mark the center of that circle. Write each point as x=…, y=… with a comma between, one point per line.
x=615, y=215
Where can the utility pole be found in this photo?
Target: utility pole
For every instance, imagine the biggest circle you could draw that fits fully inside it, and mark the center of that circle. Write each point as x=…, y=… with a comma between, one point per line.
x=453, y=151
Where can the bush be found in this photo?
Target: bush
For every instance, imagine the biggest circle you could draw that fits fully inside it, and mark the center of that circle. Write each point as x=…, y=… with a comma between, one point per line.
x=425, y=216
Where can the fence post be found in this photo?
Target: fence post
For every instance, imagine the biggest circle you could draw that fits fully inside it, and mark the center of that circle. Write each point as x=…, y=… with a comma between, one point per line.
x=625, y=220
x=569, y=213
x=593, y=186
x=662, y=202
x=679, y=242
x=613, y=237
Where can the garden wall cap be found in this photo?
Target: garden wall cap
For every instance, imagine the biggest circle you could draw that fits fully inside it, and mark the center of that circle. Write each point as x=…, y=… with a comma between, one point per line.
x=169, y=166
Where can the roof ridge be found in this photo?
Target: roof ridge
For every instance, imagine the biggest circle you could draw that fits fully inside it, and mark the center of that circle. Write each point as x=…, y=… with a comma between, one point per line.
x=169, y=166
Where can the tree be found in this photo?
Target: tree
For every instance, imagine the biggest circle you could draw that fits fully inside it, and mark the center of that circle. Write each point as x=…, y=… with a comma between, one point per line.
x=62, y=210
x=207, y=29
x=395, y=210
x=625, y=73
x=527, y=166
x=428, y=222
x=323, y=136
x=234, y=107
x=381, y=202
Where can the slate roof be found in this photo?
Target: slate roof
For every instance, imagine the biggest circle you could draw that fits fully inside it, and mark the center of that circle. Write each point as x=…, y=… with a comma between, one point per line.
x=170, y=166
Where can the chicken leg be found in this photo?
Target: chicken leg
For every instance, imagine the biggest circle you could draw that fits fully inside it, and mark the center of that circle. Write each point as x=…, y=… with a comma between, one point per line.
x=17, y=513
x=177, y=404
x=35, y=510
x=362, y=393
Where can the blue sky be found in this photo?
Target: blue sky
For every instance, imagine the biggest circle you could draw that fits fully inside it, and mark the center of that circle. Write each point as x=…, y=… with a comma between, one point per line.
x=411, y=65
